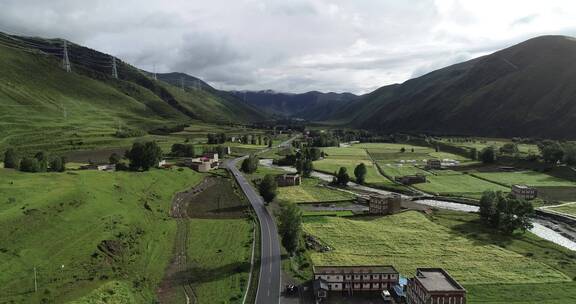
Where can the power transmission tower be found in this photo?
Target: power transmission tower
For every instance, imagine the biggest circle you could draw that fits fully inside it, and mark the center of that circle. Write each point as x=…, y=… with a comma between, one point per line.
x=182, y=83
x=114, y=69
x=66, y=59
x=155, y=76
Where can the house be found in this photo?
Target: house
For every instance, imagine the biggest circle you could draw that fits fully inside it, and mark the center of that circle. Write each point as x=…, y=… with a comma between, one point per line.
x=524, y=192
x=205, y=163
x=435, y=164
x=320, y=288
x=286, y=180
x=385, y=204
x=434, y=285
x=357, y=278
x=411, y=179
x=99, y=167
x=162, y=163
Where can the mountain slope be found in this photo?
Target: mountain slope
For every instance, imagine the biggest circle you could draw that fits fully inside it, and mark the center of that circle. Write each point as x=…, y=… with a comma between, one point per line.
x=44, y=107
x=310, y=106
x=525, y=90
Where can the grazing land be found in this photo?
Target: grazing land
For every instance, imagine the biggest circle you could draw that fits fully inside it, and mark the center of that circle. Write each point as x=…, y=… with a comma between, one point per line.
x=532, y=178
x=83, y=230
x=481, y=143
x=312, y=190
x=485, y=263
x=451, y=183
x=569, y=209
x=220, y=251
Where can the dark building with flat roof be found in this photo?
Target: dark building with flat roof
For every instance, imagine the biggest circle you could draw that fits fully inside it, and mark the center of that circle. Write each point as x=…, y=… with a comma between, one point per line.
x=434, y=286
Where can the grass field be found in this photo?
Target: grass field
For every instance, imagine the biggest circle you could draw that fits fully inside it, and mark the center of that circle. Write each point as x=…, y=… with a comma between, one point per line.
x=312, y=190
x=450, y=183
x=484, y=263
x=569, y=209
x=481, y=143
x=100, y=226
x=350, y=157
x=531, y=178
x=220, y=251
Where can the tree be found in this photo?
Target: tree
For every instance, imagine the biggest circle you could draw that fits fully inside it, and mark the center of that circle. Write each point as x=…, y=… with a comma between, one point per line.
x=402, y=150
x=58, y=164
x=11, y=159
x=569, y=154
x=551, y=151
x=144, y=155
x=114, y=158
x=42, y=158
x=270, y=143
x=505, y=214
x=315, y=153
x=360, y=173
x=487, y=207
x=342, y=178
x=473, y=154
x=488, y=156
x=290, y=226
x=268, y=188
x=183, y=150
x=249, y=164
x=29, y=164
x=307, y=168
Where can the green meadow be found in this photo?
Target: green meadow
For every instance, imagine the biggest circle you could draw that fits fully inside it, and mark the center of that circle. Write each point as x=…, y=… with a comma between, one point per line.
x=85, y=230
x=312, y=190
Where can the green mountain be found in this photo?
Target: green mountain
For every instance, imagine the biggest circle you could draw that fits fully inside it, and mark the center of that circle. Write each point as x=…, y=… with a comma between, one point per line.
x=524, y=90
x=312, y=106
x=44, y=107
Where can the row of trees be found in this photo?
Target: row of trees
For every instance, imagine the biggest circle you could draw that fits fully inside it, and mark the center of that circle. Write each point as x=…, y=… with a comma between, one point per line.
x=189, y=150
x=505, y=213
x=554, y=151
x=41, y=162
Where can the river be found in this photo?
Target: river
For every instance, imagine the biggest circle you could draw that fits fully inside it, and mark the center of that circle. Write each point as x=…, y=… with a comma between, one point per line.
x=541, y=226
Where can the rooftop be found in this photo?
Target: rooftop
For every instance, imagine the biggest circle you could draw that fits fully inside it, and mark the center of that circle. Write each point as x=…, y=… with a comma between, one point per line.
x=437, y=279
x=356, y=269
x=521, y=186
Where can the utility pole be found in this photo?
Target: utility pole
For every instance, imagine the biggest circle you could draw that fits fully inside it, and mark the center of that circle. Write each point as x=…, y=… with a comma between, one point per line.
x=64, y=113
x=66, y=59
x=35, y=280
x=114, y=69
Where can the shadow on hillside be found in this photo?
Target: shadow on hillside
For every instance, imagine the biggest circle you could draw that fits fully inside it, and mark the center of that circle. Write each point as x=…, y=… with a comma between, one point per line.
x=198, y=274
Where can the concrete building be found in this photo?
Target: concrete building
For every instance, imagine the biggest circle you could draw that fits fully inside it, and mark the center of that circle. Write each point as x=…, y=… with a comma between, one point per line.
x=435, y=164
x=320, y=288
x=205, y=163
x=357, y=278
x=385, y=204
x=524, y=192
x=411, y=179
x=434, y=286
x=286, y=180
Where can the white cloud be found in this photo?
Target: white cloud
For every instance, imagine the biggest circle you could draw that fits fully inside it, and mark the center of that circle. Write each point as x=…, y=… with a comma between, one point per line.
x=296, y=45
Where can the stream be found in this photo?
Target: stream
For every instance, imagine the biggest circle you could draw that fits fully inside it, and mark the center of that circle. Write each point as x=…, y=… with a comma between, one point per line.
x=541, y=226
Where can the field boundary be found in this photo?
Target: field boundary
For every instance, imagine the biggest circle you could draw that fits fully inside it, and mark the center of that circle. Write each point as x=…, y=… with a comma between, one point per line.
x=251, y=262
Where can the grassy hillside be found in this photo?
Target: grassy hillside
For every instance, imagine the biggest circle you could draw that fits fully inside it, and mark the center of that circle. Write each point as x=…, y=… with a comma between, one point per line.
x=43, y=107
x=524, y=90
x=86, y=230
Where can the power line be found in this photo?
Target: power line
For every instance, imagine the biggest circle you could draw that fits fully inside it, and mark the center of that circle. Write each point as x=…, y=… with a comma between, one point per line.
x=114, y=69
x=66, y=60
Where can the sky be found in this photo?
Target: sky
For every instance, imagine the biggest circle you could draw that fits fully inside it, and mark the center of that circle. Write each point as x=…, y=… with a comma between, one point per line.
x=292, y=45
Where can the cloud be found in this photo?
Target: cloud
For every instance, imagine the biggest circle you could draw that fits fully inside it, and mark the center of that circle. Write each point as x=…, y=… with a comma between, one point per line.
x=295, y=46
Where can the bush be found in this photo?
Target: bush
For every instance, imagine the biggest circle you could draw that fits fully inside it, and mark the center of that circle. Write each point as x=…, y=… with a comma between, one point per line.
x=127, y=133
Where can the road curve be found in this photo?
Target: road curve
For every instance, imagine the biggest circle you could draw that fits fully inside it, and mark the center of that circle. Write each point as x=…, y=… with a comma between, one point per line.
x=270, y=257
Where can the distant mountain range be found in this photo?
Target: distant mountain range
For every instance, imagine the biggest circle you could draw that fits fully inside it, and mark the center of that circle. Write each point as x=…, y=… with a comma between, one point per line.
x=527, y=90
x=312, y=106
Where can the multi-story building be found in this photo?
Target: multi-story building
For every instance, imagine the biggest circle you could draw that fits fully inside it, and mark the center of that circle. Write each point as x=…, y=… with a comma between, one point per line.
x=357, y=278
x=434, y=286
x=411, y=179
x=524, y=192
x=286, y=180
x=434, y=164
x=385, y=204
x=205, y=163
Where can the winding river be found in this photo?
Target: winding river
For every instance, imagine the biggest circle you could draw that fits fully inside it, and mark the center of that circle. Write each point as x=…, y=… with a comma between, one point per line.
x=541, y=226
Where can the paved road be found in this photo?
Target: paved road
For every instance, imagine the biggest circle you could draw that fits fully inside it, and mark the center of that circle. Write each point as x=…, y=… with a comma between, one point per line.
x=270, y=257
